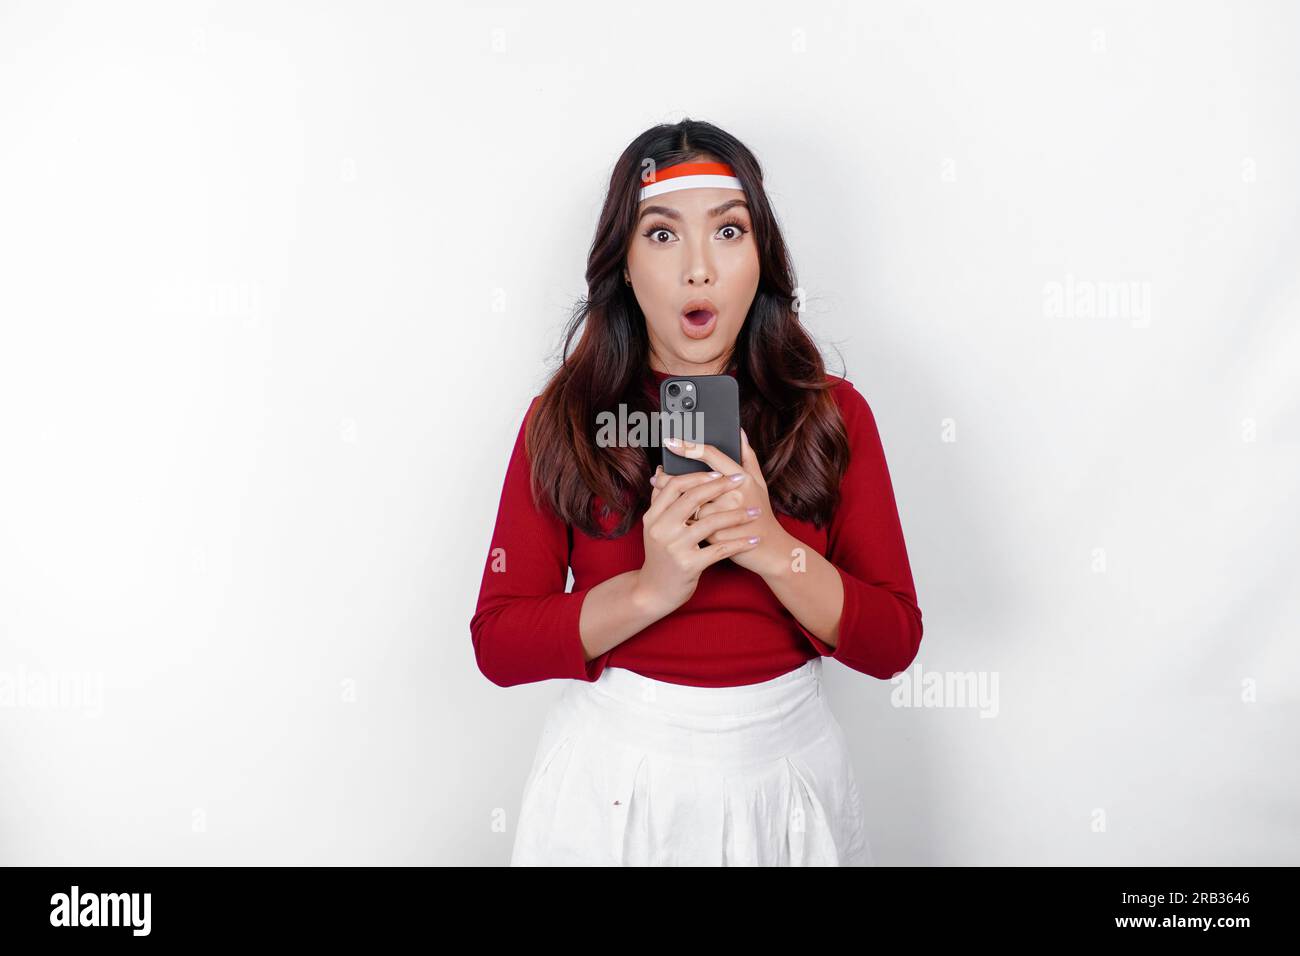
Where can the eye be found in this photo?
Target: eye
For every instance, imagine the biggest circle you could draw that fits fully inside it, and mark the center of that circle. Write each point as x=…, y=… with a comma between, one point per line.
x=655, y=229
x=736, y=225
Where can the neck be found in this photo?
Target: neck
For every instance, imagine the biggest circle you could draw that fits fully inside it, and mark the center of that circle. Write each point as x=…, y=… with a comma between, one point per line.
x=662, y=369
x=659, y=375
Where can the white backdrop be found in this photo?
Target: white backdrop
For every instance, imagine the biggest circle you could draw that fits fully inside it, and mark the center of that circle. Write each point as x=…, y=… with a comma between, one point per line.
x=278, y=281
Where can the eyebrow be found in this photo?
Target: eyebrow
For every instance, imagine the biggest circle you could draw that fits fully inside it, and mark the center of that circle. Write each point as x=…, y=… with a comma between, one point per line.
x=674, y=214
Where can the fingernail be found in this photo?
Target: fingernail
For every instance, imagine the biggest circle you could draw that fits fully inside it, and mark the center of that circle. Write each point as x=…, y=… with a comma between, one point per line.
x=738, y=477
x=672, y=442
x=753, y=540
x=751, y=511
x=715, y=474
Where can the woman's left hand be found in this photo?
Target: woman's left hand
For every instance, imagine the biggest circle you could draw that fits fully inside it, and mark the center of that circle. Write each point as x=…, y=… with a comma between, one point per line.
x=775, y=544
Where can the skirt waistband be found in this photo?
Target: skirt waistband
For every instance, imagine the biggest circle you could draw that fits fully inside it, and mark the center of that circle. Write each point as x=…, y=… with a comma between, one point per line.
x=729, y=726
x=688, y=700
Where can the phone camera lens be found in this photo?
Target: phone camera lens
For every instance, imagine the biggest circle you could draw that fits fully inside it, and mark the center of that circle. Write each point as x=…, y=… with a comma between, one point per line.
x=674, y=389
x=688, y=402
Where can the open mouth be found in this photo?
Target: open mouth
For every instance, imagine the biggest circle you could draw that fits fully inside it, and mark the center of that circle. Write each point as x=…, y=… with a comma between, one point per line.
x=698, y=323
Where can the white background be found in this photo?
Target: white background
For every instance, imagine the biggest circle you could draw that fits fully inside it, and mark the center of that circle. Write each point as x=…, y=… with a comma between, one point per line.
x=277, y=281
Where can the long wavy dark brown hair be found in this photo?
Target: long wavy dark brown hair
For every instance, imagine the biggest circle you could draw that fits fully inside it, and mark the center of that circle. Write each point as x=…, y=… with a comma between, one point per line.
x=787, y=410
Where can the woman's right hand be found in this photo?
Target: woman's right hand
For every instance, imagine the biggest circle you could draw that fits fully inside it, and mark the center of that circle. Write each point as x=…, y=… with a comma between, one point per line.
x=673, y=557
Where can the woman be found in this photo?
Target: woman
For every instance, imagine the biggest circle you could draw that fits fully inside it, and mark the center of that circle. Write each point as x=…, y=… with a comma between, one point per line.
x=694, y=728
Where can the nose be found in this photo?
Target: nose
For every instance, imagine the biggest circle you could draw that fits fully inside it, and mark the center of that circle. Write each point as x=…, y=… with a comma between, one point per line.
x=699, y=271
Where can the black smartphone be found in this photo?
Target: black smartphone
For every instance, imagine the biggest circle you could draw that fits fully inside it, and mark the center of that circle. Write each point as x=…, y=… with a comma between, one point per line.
x=699, y=408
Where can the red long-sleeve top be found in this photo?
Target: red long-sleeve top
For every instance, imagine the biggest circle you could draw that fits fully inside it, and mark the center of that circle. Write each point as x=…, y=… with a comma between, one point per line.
x=733, y=630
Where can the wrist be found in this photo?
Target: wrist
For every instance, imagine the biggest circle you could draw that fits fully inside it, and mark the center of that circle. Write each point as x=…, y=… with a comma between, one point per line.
x=783, y=556
x=648, y=606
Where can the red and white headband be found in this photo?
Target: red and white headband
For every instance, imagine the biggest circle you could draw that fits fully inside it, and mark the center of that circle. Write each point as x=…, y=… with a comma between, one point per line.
x=691, y=176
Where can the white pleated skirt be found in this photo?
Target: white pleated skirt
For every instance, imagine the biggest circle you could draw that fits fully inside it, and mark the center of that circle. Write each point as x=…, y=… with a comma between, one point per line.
x=632, y=771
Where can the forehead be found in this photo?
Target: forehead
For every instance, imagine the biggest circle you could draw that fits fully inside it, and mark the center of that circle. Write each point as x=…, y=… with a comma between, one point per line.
x=695, y=203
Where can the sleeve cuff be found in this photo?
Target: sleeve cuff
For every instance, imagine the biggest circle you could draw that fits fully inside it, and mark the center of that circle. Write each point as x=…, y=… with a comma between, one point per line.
x=876, y=635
